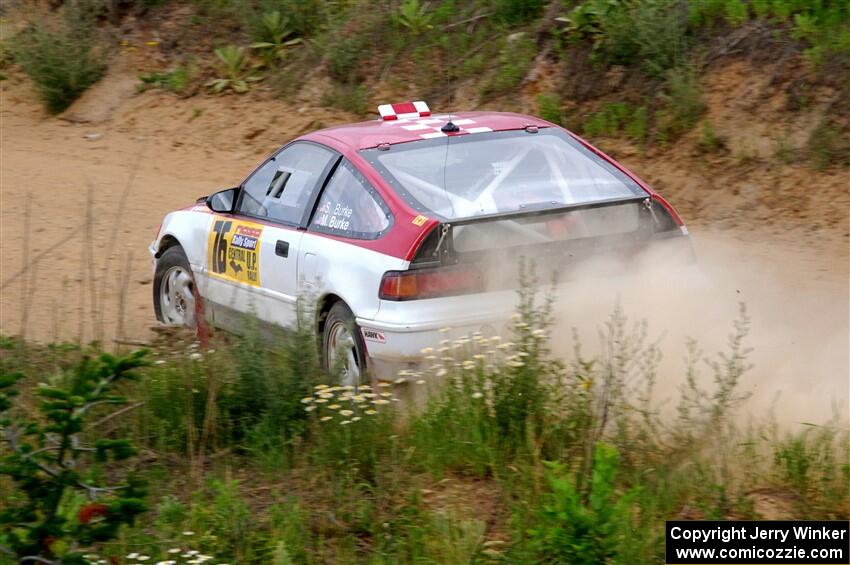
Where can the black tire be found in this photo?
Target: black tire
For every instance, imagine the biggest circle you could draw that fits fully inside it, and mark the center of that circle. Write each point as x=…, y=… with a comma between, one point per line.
x=340, y=315
x=173, y=258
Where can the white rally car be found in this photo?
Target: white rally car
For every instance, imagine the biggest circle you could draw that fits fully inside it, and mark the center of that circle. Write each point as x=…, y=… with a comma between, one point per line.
x=398, y=227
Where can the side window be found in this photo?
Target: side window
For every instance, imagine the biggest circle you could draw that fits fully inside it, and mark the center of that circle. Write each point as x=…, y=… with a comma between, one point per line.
x=280, y=190
x=350, y=207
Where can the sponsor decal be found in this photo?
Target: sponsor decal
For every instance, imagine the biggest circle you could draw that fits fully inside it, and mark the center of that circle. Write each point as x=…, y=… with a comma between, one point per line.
x=419, y=220
x=373, y=335
x=234, y=250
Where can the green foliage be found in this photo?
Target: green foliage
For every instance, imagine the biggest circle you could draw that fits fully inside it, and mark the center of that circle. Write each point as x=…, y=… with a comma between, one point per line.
x=549, y=108
x=53, y=464
x=352, y=98
x=61, y=57
x=273, y=38
x=609, y=120
x=827, y=31
x=344, y=57
x=683, y=105
x=828, y=146
x=174, y=80
x=303, y=18
x=616, y=118
x=815, y=465
x=235, y=69
x=517, y=11
x=651, y=33
x=709, y=141
x=246, y=395
x=783, y=150
x=576, y=527
x=414, y=17
x=515, y=59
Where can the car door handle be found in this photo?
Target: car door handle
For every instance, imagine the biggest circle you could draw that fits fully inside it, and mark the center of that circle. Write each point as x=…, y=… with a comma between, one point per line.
x=281, y=248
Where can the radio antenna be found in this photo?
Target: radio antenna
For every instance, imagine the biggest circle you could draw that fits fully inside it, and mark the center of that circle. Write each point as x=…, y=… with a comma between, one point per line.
x=449, y=127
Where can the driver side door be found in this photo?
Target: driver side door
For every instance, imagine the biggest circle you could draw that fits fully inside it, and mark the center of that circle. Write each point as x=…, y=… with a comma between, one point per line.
x=253, y=251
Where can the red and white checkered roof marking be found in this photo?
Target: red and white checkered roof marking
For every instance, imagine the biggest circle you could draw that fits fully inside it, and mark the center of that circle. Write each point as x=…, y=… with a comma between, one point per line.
x=431, y=127
x=405, y=110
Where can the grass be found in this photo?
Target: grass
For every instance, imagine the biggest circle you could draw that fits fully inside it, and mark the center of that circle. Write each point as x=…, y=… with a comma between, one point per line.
x=251, y=457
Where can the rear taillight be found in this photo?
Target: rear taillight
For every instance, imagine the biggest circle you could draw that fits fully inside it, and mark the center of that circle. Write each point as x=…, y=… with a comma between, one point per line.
x=431, y=283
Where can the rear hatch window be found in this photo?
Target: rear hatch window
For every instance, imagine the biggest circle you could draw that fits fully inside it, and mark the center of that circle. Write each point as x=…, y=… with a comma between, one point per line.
x=484, y=174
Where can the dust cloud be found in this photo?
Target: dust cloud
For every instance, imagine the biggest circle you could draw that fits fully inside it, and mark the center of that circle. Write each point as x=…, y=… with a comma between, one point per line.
x=796, y=299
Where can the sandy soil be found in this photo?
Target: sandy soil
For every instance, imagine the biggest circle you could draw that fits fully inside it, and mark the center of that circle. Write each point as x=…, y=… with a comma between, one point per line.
x=130, y=160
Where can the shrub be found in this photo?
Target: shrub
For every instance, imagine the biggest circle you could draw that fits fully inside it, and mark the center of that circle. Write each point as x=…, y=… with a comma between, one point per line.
x=61, y=57
x=414, y=17
x=683, y=105
x=515, y=59
x=549, y=108
x=63, y=505
x=827, y=146
x=709, y=141
x=827, y=31
x=274, y=37
x=235, y=71
x=651, y=33
x=304, y=17
x=174, y=80
x=517, y=11
x=576, y=527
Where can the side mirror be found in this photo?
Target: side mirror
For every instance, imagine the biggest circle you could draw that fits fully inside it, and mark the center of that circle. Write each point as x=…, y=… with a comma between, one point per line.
x=222, y=201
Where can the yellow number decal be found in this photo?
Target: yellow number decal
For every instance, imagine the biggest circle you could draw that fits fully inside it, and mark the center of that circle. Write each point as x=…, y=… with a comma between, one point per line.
x=233, y=250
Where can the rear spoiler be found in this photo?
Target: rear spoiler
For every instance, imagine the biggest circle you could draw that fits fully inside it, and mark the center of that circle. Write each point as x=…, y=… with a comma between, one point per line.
x=528, y=213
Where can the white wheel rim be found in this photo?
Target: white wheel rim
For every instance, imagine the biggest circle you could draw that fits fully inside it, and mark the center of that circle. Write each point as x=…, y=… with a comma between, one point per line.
x=342, y=354
x=177, y=297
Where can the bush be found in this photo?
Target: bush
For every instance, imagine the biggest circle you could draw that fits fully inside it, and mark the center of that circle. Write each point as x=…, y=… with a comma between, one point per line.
x=174, y=80
x=549, y=108
x=62, y=57
x=651, y=33
x=590, y=527
x=515, y=59
x=683, y=105
x=827, y=146
x=62, y=506
x=517, y=11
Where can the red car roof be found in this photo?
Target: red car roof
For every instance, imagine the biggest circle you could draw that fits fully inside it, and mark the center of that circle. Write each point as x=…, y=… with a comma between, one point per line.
x=365, y=135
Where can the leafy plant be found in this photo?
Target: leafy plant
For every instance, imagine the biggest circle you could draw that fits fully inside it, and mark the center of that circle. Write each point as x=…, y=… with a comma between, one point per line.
x=574, y=527
x=550, y=108
x=274, y=36
x=236, y=69
x=828, y=145
x=517, y=11
x=414, y=16
x=683, y=104
x=515, y=58
x=64, y=505
x=709, y=141
x=174, y=80
x=651, y=33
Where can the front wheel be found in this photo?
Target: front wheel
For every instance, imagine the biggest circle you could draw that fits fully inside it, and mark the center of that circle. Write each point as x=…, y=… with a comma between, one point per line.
x=175, y=297
x=343, y=351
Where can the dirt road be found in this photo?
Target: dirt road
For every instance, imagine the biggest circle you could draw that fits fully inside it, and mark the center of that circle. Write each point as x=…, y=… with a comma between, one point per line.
x=66, y=277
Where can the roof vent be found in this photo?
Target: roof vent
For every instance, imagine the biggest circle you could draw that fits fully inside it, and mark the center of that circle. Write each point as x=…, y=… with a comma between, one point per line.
x=404, y=110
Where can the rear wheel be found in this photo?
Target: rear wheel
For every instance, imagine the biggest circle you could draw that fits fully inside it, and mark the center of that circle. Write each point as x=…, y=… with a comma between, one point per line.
x=343, y=352
x=175, y=297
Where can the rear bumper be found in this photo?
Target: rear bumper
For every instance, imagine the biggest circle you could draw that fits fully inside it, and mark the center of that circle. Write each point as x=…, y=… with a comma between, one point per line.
x=395, y=340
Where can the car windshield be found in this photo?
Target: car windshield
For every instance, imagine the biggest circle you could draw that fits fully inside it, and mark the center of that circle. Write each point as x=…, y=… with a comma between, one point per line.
x=480, y=174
